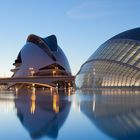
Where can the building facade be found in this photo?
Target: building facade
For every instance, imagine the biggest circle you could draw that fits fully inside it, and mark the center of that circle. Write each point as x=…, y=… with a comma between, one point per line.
x=41, y=57
x=116, y=63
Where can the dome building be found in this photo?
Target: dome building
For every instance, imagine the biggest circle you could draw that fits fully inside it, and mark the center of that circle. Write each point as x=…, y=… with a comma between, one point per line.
x=41, y=57
x=116, y=63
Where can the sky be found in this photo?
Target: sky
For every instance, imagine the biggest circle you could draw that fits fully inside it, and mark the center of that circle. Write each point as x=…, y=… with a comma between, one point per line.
x=81, y=26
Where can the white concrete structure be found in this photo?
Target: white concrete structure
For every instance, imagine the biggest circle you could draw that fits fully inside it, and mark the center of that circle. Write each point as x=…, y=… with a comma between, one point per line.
x=41, y=56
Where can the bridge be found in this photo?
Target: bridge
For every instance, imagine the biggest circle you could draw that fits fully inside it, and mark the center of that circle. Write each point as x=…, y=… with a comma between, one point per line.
x=47, y=81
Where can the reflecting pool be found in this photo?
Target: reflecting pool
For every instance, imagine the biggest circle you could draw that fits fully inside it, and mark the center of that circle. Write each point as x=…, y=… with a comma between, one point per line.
x=103, y=114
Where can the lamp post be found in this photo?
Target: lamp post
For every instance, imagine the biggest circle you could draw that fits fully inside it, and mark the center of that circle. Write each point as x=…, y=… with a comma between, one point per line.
x=54, y=72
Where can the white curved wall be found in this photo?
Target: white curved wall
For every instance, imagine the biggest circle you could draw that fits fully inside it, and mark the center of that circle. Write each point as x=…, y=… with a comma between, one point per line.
x=35, y=57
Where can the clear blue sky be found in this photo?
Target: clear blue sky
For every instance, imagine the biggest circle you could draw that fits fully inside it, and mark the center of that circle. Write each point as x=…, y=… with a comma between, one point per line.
x=80, y=25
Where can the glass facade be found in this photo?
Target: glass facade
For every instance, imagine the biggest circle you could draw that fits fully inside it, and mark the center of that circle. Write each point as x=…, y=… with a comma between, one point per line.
x=115, y=63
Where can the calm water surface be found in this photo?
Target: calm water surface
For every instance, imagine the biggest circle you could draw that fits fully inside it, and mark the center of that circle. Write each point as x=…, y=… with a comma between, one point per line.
x=85, y=115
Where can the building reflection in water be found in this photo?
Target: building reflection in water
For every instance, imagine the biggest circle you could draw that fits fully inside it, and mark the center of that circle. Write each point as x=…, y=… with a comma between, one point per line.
x=41, y=113
x=33, y=99
x=56, y=103
x=116, y=112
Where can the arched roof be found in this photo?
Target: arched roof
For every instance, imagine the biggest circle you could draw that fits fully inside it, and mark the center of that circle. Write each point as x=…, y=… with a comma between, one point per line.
x=48, y=44
x=51, y=41
x=133, y=34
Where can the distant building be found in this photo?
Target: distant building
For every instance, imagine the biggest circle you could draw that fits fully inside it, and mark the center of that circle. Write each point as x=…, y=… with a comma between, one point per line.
x=115, y=63
x=41, y=57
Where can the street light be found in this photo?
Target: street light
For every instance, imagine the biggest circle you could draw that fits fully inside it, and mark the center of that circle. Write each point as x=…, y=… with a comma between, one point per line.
x=54, y=72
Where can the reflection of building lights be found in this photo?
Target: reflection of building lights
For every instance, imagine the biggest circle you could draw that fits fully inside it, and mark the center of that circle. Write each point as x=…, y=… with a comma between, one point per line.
x=56, y=103
x=33, y=98
x=69, y=91
x=7, y=106
x=76, y=104
x=94, y=100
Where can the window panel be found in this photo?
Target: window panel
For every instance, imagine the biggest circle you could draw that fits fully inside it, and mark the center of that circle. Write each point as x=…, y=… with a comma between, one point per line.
x=131, y=53
x=128, y=49
x=122, y=51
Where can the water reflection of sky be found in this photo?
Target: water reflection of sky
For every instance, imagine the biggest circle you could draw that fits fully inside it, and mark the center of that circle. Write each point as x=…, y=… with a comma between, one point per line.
x=102, y=114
